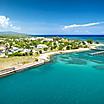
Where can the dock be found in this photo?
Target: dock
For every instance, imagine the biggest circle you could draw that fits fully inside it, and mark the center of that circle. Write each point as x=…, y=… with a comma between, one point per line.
x=97, y=53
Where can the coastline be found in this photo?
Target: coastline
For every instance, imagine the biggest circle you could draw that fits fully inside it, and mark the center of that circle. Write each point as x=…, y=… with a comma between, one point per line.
x=41, y=61
x=43, y=58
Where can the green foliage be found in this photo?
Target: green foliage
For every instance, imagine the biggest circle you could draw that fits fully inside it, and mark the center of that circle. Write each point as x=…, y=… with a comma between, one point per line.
x=36, y=59
x=68, y=47
x=45, y=49
x=40, y=51
x=90, y=41
x=31, y=53
x=60, y=47
x=17, y=54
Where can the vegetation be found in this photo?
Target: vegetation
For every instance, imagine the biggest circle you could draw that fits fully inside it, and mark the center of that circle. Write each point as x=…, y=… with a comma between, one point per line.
x=90, y=41
x=20, y=50
x=23, y=45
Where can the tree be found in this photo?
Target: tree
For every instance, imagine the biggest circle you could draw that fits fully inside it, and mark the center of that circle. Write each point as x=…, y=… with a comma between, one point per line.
x=90, y=41
x=40, y=51
x=60, y=47
x=45, y=49
x=31, y=53
x=36, y=59
x=68, y=48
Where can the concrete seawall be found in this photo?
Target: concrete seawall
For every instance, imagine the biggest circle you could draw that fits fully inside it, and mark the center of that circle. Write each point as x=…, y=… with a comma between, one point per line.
x=6, y=72
x=13, y=70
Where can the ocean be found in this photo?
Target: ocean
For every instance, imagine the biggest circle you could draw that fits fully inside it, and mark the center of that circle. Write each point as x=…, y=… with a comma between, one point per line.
x=99, y=38
x=75, y=78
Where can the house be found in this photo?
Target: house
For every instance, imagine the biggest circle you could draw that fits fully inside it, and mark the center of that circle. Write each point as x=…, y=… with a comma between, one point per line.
x=26, y=50
x=41, y=46
x=15, y=48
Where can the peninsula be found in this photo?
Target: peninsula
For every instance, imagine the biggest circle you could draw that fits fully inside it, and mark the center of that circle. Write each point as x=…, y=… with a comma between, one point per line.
x=19, y=53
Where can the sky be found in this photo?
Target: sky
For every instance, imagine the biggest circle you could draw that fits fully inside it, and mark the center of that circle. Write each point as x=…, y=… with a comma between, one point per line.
x=52, y=16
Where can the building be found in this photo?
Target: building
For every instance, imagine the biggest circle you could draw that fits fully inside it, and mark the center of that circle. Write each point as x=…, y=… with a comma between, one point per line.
x=41, y=46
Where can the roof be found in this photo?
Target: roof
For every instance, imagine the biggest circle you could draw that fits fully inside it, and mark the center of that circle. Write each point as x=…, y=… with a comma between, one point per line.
x=42, y=46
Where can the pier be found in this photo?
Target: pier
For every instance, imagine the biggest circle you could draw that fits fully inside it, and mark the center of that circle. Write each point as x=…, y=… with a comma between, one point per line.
x=97, y=53
x=99, y=48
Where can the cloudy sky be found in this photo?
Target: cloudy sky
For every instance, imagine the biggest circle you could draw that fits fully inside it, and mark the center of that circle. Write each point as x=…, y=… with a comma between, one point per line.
x=52, y=16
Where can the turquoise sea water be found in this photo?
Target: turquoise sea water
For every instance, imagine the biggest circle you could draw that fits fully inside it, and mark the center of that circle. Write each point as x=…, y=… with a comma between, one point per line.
x=76, y=78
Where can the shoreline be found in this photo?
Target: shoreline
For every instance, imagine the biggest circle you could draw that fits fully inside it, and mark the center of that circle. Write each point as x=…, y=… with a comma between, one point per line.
x=43, y=58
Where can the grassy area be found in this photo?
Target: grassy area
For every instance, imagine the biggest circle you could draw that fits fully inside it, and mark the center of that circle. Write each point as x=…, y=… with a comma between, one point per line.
x=13, y=61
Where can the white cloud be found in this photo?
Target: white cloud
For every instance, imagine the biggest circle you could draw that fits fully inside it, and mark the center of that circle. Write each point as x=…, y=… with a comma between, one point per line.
x=82, y=25
x=6, y=24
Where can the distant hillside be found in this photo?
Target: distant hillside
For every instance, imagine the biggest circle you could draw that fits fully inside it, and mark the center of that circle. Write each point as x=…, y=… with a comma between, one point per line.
x=11, y=34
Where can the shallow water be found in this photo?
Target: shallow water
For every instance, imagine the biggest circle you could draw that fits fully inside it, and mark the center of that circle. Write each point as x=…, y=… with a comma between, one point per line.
x=74, y=78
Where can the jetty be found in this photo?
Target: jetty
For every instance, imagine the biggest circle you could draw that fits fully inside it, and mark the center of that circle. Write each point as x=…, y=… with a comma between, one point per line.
x=97, y=53
x=98, y=48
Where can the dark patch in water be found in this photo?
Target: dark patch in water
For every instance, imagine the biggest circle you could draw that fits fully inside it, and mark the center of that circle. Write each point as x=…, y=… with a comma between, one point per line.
x=77, y=61
x=99, y=67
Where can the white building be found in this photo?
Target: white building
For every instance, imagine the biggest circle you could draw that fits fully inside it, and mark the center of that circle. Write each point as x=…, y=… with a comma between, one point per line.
x=41, y=46
x=26, y=50
x=48, y=39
